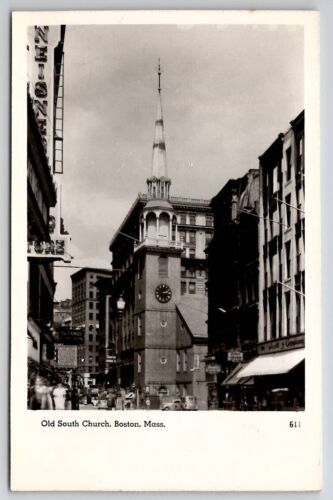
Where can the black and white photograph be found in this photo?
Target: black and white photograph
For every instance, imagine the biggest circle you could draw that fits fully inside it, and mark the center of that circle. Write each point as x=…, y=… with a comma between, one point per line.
x=159, y=299
x=165, y=217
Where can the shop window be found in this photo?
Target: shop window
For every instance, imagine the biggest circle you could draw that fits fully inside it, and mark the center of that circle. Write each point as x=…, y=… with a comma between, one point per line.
x=183, y=287
x=191, y=287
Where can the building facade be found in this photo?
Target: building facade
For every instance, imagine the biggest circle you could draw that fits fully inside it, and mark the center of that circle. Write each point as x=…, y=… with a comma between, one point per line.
x=159, y=264
x=85, y=316
x=278, y=370
x=233, y=286
x=46, y=241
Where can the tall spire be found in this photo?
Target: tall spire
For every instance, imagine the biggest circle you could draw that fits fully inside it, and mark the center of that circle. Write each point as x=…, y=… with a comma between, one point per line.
x=158, y=183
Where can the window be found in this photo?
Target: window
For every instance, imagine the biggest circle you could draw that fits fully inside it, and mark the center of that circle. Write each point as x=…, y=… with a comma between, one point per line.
x=185, y=361
x=272, y=311
x=91, y=337
x=209, y=220
x=192, y=237
x=163, y=266
x=190, y=272
x=91, y=316
x=298, y=313
x=139, y=326
x=183, y=271
x=287, y=301
x=300, y=155
x=196, y=361
x=91, y=294
x=192, y=219
x=139, y=363
x=288, y=209
x=182, y=219
x=208, y=238
x=288, y=161
x=192, y=253
x=91, y=305
x=141, y=266
x=90, y=359
x=287, y=251
x=178, y=362
x=90, y=348
x=191, y=287
x=182, y=235
x=183, y=287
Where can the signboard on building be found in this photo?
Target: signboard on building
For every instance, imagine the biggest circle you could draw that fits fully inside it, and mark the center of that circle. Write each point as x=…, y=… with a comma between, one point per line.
x=111, y=359
x=284, y=344
x=235, y=356
x=55, y=249
x=213, y=368
x=67, y=356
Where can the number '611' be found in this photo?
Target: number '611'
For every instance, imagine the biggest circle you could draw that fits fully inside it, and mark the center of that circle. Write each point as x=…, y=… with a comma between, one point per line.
x=294, y=423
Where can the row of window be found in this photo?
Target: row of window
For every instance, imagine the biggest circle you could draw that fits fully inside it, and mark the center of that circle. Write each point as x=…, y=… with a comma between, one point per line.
x=181, y=362
x=196, y=219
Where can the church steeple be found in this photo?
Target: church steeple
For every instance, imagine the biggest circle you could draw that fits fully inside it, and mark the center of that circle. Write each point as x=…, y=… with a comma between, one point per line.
x=159, y=183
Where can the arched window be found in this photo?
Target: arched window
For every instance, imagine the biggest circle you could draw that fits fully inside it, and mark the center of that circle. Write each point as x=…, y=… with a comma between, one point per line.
x=164, y=226
x=151, y=225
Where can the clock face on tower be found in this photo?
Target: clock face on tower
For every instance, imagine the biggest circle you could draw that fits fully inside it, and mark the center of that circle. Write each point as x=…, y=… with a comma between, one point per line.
x=163, y=293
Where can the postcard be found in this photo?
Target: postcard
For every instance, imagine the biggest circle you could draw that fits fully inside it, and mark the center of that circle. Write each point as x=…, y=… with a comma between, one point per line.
x=165, y=302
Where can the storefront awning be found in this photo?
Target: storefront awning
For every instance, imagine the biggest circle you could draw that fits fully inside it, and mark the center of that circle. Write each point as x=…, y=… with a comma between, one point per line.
x=272, y=364
x=232, y=378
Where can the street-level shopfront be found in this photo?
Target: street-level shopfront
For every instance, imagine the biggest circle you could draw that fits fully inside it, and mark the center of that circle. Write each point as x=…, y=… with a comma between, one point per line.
x=274, y=380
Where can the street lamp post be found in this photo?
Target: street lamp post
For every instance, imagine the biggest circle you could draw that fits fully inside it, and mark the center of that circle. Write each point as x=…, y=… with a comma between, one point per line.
x=120, y=312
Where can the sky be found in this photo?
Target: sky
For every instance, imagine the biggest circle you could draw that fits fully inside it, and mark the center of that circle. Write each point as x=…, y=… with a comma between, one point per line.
x=227, y=92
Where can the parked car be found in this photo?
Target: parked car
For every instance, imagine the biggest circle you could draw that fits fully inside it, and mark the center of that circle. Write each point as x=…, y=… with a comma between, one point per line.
x=189, y=403
x=172, y=404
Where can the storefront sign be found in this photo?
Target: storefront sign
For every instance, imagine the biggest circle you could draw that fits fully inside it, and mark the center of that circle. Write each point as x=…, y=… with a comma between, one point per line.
x=67, y=356
x=41, y=90
x=235, y=356
x=213, y=368
x=284, y=344
x=55, y=249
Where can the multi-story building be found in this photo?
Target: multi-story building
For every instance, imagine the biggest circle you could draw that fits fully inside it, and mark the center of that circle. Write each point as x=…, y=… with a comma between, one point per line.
x=233, y=260
x=160, y=271
x=280, y=364
x=46, y=242
x=85, y=316
x=62, y=313
x=106, y=337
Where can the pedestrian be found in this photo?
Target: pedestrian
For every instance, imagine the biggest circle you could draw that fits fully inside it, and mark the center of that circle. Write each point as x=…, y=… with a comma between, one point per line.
x=59, y=396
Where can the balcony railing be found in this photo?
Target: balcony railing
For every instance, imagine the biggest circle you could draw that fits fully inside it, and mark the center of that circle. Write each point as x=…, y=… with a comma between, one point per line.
x=158, y=242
